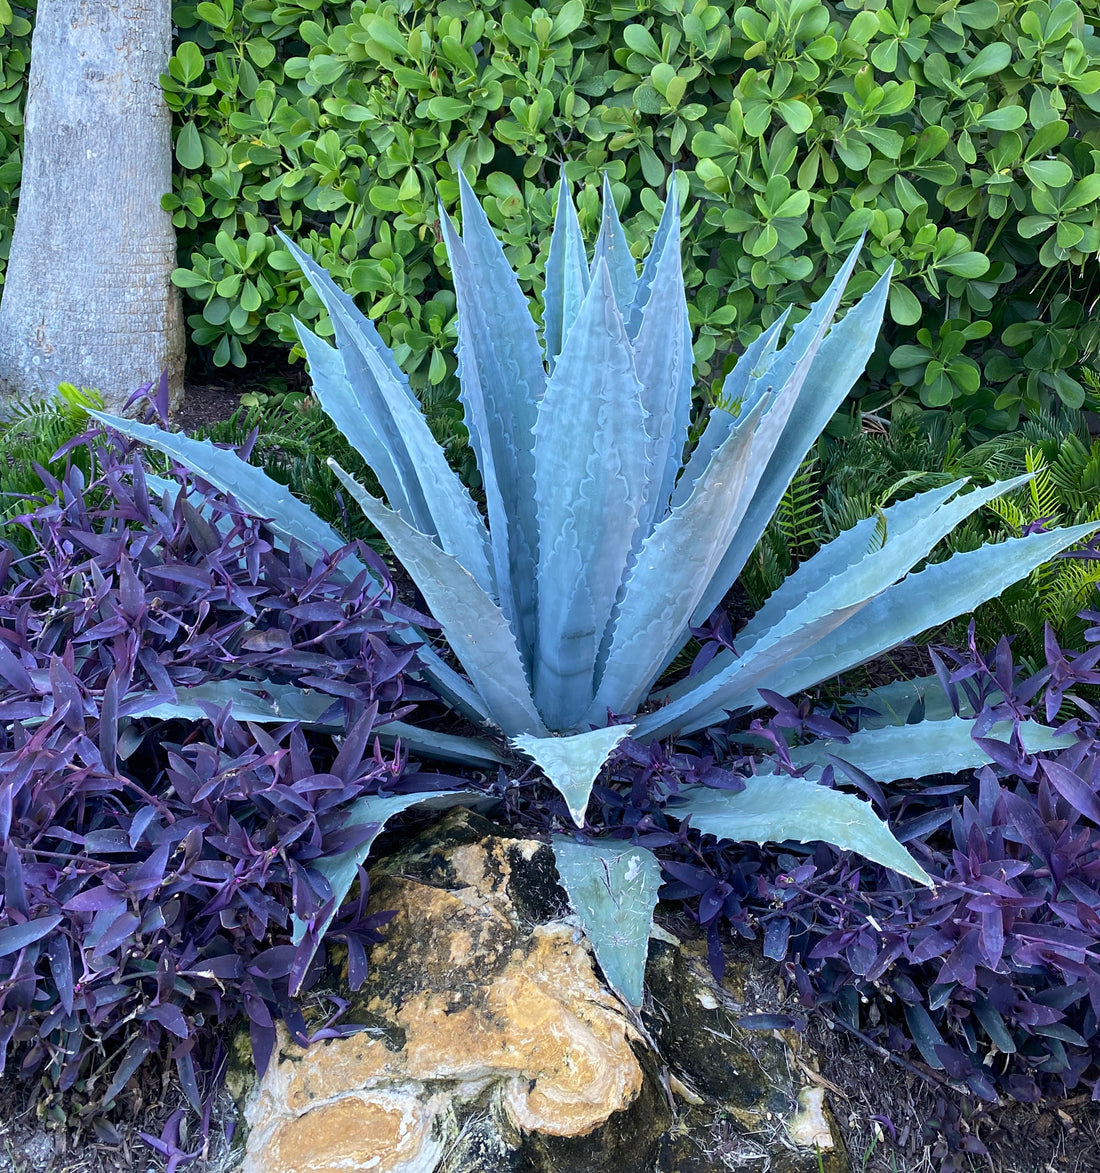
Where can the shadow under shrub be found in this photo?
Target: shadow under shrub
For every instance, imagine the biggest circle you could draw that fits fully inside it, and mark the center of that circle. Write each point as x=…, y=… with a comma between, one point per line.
x=149, y=868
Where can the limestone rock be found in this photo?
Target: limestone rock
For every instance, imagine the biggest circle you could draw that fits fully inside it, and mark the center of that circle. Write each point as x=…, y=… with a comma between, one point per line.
x=490, y=1045
x=475, y=1008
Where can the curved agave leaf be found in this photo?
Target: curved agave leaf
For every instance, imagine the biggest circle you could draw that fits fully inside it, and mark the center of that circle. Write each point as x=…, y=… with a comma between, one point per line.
x=369, y=366
x=613, y=891
x=671, y=570
x=286, y=702
x=721, y=423
x=893, y=703
x=841, y=359
x=473, y=624
x=572, y=763
x=590, y=481
x=613, y=250
x=254, y=490
x=817, y=613
x=919, y=602
x=775, y=808
x=329, y=377
x=282, y=702
x=450, y=509
x=320, y=280
x=502, y=381
x=928, y=747
x=372, y=811
x=663, y=359
x=847, y=549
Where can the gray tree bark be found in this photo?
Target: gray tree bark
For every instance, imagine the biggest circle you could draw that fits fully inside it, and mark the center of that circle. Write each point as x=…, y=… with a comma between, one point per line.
x=87, y=297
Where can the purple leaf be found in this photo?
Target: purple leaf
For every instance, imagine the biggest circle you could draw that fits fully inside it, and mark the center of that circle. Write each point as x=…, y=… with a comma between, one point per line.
x=169, y=1016
x=1075, y=790
x=16, y=937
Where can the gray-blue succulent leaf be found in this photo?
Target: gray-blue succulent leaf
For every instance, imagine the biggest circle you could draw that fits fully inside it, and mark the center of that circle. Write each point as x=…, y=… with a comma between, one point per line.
x=613, y=891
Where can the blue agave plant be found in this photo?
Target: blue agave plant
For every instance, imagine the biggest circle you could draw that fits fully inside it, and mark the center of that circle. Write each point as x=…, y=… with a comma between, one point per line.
x=603, y=545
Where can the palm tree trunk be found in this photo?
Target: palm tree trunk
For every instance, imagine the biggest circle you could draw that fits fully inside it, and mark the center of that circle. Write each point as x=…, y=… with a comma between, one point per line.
x=87, y=297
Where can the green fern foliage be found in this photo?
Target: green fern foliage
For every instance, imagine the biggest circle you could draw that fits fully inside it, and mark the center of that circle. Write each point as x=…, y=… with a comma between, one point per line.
x=293, y=442
x=29, y=437
x=795, y=531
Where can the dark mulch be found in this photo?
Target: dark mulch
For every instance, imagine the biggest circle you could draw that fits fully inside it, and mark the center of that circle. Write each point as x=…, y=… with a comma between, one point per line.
x=898, y=1119
x=208, y=403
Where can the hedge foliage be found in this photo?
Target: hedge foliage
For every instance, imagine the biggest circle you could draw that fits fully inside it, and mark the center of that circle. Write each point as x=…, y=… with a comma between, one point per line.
x=962, y=137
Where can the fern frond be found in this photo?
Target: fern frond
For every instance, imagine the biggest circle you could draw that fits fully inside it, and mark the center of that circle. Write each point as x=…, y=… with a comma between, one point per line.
x=799, y=512
x=1041, y=490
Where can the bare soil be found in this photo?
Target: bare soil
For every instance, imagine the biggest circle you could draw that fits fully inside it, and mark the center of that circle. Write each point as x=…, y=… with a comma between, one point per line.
x=207, y=403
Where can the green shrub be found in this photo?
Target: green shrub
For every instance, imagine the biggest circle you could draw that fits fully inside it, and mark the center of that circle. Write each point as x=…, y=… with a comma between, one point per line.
x=961, y=140
x=15, y=51
x=962, y=137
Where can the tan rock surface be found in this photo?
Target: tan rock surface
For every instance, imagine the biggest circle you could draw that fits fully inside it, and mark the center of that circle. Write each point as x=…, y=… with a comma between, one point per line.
x=491, y=1046
x=484, y=1004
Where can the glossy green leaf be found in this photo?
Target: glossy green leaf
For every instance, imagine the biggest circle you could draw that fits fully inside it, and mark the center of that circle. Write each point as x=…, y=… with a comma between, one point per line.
x=189, y=151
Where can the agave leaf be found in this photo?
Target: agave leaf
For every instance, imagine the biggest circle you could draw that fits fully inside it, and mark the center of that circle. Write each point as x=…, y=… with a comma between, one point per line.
x=774, y=808
x=763, y=369
x=254, y=490
x=473, y=624
x=721, y=423
x=446, y=747
x=843, y=552
x=840, y=360
x=572, y=763
x=567, y=276
x=671, y=570
x=590, y=476
x=807, y=334
x=666, y=236
x=927, y=747
x=452, y=512
x=613, y=250
x=809, y=620
x=372, y=811
x=503, y=379
x=326, y=370
x=299, y=523
x=369, y=367
x=663, y=359
x=891, y=704
x=919, y=602
x=286, y=702
x=613, y=891
x=320, y=279
x=283, y=702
